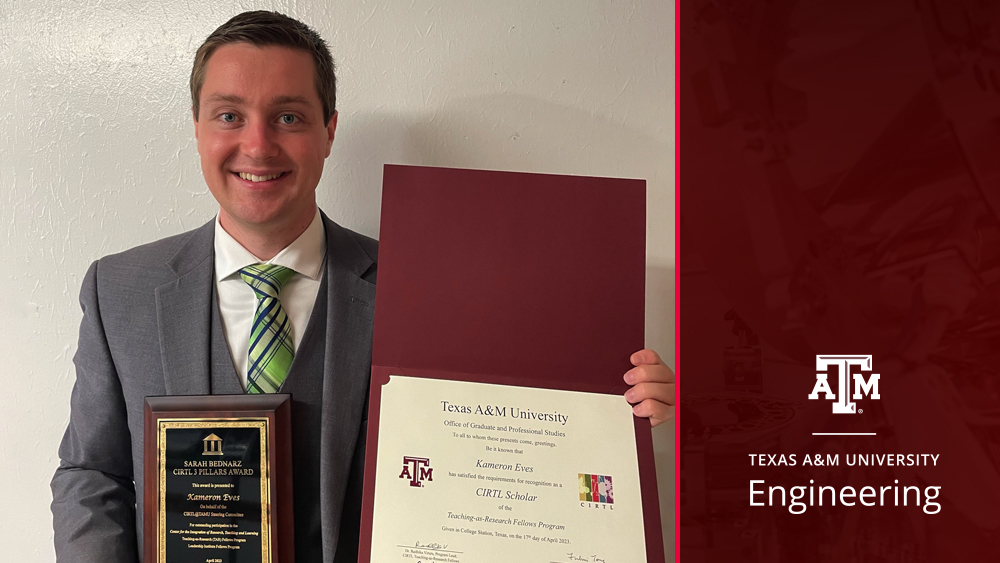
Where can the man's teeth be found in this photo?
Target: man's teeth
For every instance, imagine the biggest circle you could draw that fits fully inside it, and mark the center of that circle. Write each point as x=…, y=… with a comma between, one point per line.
x=254, y=178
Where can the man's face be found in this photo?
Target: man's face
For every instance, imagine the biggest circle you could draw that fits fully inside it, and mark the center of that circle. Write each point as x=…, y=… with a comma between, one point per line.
x=261, y=137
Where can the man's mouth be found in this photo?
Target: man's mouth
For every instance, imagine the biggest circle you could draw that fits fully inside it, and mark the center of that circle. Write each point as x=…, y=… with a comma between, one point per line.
x=255, y=178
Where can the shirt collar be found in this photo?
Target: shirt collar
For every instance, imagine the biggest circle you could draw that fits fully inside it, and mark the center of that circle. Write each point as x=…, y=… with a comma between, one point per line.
x=304, y=255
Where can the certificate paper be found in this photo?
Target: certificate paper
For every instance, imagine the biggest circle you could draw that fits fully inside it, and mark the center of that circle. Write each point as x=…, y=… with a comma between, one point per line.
x=475, y=472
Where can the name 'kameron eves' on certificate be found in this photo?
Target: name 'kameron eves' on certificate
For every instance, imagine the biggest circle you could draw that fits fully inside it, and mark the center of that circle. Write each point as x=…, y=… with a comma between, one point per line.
x=480, y=472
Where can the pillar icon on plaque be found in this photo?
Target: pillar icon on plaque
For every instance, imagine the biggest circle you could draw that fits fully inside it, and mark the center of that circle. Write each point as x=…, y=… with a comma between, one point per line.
x=213, y=445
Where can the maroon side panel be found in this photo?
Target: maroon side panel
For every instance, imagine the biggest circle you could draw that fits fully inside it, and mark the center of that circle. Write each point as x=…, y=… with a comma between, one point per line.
x=840, y=196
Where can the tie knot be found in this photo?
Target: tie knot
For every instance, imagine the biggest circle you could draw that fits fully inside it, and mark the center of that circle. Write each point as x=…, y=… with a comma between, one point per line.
x=266, y=279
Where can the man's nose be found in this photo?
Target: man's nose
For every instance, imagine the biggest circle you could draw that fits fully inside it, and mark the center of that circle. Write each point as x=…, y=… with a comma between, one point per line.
x=258, y=140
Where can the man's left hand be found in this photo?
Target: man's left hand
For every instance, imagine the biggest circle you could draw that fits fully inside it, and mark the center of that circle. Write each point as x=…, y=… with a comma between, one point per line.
x=652, y=392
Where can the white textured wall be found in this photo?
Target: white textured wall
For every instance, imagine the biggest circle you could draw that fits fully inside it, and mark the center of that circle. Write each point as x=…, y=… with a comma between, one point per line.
x=97, y=154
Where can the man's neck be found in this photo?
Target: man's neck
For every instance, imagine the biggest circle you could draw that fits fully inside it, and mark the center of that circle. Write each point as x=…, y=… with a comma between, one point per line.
x=263, y=242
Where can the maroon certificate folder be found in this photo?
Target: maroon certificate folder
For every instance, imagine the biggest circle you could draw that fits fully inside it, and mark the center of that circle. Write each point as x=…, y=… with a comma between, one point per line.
x=531, y=280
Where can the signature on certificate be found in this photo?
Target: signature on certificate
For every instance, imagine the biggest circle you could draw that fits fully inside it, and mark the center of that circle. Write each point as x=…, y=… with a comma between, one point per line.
x=591, y=559
x=441, y=546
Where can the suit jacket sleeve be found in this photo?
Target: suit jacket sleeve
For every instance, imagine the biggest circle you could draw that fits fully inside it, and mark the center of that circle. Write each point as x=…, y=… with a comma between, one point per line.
x=93, y=493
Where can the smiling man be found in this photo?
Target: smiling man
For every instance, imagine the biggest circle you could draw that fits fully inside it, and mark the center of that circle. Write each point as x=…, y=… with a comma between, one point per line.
x=179, y=316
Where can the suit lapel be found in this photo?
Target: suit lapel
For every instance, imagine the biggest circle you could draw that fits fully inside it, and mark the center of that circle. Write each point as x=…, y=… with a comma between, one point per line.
x=184, y=315
x=349, y=317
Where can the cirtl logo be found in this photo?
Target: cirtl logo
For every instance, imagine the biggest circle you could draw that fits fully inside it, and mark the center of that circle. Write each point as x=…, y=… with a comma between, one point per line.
x=842, y=363
x=596, y=491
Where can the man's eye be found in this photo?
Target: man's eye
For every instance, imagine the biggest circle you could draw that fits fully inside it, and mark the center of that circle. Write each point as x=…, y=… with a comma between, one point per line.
x=288, y=119
x=228, y=117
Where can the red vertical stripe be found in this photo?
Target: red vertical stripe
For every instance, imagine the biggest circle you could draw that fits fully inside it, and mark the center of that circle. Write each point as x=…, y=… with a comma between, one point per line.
x=677, y=280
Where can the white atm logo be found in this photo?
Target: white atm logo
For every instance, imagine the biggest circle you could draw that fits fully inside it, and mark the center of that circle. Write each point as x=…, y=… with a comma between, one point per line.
x=845, y=403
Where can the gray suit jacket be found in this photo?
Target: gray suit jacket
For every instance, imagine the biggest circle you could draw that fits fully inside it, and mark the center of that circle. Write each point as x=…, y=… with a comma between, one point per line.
x=146, y=331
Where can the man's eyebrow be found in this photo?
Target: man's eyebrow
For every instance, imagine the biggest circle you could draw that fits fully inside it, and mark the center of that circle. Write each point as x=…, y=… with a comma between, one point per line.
x=286, y=100
x=275, y=101
x=230, y=98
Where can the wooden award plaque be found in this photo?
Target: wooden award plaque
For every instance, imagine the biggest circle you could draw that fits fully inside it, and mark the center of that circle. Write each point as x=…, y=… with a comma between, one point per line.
x=218, y=479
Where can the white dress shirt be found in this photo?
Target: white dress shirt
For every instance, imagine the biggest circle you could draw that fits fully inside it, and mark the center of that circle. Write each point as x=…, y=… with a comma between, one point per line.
x=237, y=301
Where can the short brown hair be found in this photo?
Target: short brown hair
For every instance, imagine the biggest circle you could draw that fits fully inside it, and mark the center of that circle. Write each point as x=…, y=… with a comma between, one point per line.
x=263, y=28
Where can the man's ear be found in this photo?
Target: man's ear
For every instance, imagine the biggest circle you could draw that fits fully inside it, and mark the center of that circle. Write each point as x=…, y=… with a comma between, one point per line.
x=331, y=129
x=195, y=117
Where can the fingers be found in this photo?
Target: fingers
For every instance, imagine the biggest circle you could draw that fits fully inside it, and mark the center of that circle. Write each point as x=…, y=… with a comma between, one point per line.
x=645, y=356
x=662, y=392
x=652, y=394
x=649, y=372
x=656, y=411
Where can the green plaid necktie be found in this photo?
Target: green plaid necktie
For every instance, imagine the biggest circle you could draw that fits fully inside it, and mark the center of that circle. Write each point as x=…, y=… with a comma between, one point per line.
x=271, y=350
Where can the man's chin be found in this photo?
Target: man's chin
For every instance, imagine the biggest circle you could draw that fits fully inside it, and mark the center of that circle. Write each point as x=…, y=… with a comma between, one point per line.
x=266, y=219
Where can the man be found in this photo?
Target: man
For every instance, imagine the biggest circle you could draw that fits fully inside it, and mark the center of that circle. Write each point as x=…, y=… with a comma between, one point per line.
x=180, y=315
